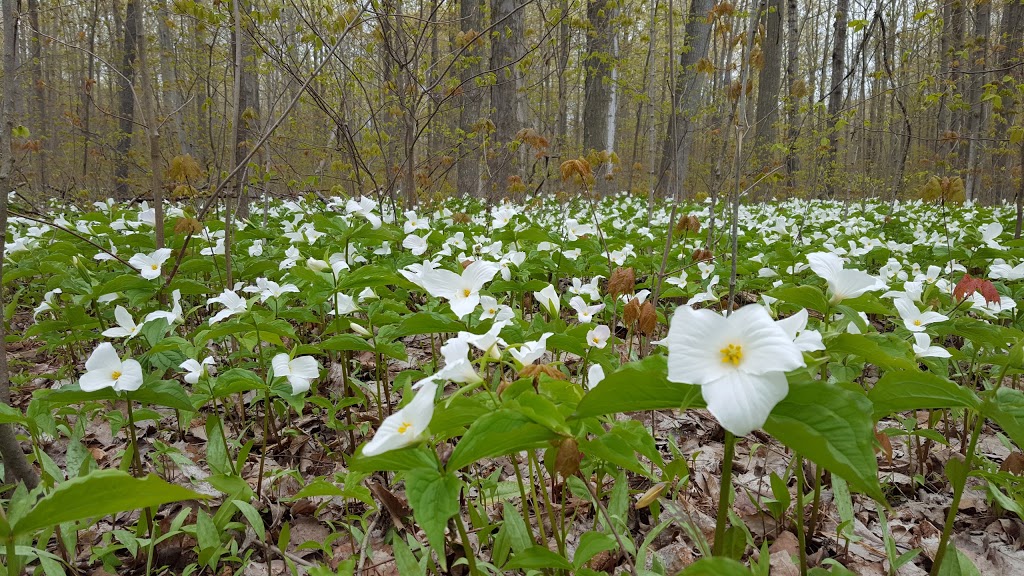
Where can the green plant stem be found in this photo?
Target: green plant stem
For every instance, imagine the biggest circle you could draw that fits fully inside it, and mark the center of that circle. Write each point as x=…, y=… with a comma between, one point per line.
x=266, y=433
x=801, y=533
x=816, y=503
x=137, y=460
x=958, y=492
x=522, y=491
x=724, y=493
x=468, y=550
x=536, y=505
x=13, y=561
x=611, y=526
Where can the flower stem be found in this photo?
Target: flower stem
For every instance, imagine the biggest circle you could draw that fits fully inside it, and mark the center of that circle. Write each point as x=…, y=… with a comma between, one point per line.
x=724, y=493
x=958, y=492
x=801, y=533
x=137, y=459
x=468, y=549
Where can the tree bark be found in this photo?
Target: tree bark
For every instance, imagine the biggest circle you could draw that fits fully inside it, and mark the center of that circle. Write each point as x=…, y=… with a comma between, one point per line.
x=979, y=107
x=169, y=72
x=14, y=459
x=40, y=124
x=835, y=98
x=792, y=65
x=247, y=114
x=471, y=16
x=126, y=99
x=1011, y=37
x=769, y=77
x=506, y=51
x=597, y=81
x=675, y=154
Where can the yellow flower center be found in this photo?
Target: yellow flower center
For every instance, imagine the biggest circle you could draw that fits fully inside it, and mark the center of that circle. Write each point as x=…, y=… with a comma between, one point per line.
x=466, y=292
x=115, y=374
x=732, y=354
x=596, y=340
x=917, y=322
x=404, y=427
x=154, y=266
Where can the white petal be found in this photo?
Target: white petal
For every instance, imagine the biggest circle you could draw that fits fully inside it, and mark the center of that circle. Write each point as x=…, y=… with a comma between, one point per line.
x=131, y=376
x=96, y=380
x=280, y=365
x=103, y=358
x=742, y=402
x=305, y=367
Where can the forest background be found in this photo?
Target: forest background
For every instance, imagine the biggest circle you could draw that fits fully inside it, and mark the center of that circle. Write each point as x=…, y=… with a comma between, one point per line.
x=426, y=99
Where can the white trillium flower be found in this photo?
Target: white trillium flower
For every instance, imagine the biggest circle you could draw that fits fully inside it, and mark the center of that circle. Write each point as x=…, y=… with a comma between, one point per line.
x=105, y=369
x=530, y=352
x=126, y=325
x=796, y=327
x=739, y=361
x=584, y=312
x=914, y=319
x=923, y=348
x=487, y=342
x=594, y=376
x=406, y=426
x=457, y=366
x=598, y=336
x=461, y=291
x=194, y=370
x=149, y=264
x=232, y=302
x=300, y=371
x=343, y=304
x=416, y=244
x=843, y=282
x=548, y=299
x=47, y=303
x=175, y=315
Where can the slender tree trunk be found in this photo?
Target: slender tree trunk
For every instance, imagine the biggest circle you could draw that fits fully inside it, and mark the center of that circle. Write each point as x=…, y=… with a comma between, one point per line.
x=793, y=87
x=87, y=88
x=14, y=460
x=979, y=78
x=40, y=124
x=471, y=18
x=169, y=72
x=247, y=112
x=1011, y=37
x=835, y=99
x=506, y=51
x=770, y=75
x=156, y=163
x=598, y=80
x=676, y=150
x=126, y=99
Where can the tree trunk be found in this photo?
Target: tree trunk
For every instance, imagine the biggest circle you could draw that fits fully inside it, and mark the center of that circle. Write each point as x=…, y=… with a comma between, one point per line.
x=156, y=164
x=770, y=76
x=126, y=99
x=675, y=154
x=979, y=108
x=15, y=463
x=247, y=114
x=471, y=16
x=598, y=79
x=835, y=98
x=40, y=125
x=169, y=72
x=506, y=51
x=1011, y=37
x=792, y=91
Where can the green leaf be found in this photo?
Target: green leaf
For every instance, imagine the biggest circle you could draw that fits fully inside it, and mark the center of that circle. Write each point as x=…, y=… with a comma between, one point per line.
x=870, y=350
x=367, y=277
x=591, y=544
x=639, y=386
x=904, y=390
x=537, y=558
x=956, y=563
x=716, y=566
x=810, y=297
x=499, y=432
x=167, y=393
x=395, y=460
x=833, y=427
x=434, y=498
x=97, y=494
x=346, y=342
x=1007, y=410
x=253, y=516
x=428, y=323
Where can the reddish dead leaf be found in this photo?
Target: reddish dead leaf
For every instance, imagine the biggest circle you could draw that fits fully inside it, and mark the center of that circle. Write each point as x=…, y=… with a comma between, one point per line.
x=969, y=285
x=1014, y=464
